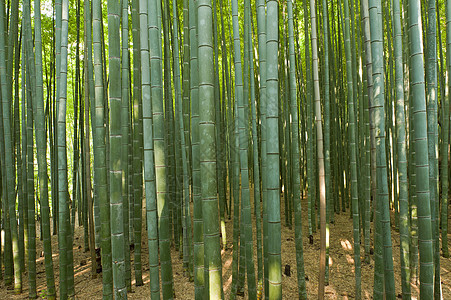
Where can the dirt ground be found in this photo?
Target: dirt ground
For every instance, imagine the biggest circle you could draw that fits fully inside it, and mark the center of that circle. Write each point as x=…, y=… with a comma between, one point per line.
x=341, y=282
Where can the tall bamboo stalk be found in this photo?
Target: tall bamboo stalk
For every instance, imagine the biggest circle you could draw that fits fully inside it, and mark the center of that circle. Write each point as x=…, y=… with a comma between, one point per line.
x=352, y=151
x=115, y=137
x=149, y=166
x=137, y=142
x=445, y=187
x=38, y=111
x=416, y=65
x=99, y=145
x=320, y=154
x=243, y=130
x=207, y=147
x=382, y=205
x=402, y=156
x=295, y=156
x=64, y=232
x=125, y=130
x=160, y=152
x=272, y=147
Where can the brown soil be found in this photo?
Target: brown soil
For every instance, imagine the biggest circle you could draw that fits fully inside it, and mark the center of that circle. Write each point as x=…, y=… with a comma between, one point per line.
x=341, y=282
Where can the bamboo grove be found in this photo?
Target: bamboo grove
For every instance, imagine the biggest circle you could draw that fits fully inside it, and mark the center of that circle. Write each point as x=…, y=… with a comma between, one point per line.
x=163, y=120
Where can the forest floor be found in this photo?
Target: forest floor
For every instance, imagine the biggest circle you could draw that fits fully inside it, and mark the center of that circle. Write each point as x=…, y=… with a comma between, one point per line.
x=341, y=278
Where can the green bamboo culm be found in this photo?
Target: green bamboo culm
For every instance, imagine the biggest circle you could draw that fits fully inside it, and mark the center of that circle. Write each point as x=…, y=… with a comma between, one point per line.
x=198, y=231
x=416, y=67
x=160, y=154
x=352, y=152
x=184, y=86
x=261, y=28
x=57, y=34
x=444, y=119
x=64, y=230
x=89, y=95
x=320, y=153
x=8, y=126
x=137, y=143
x=179, y=111
x=28, y=173
x=445, y=162
x=8, y=267
x=255, y=171
x=327, y=132
x=220, y=131
x=188, y=244
x=402, y=153
x=369, y=92
x=22, y=204
x=382, y=201
x=28, y=147
x=12, y=43
x=78, y=174
x=432, y=135
x=125, y=129
x=149, y=166
x=255, y=155
x=274, y=263
x=168, y=110
x=210, y=208
x=38, y=111
x=261, y=31
x=92, y=107
x=171, y=135
x=115, y=137
x=243, y=153
x=311, y=183
x=22, y=160
x=30, y=182
x=9, y=192
x=236, y=205
x=70, y=234
x=100, y=167
x=295, y=159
